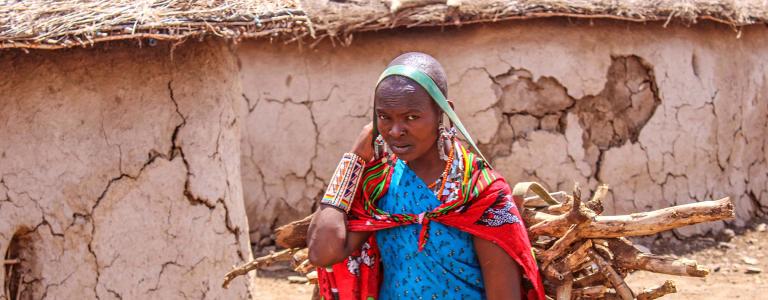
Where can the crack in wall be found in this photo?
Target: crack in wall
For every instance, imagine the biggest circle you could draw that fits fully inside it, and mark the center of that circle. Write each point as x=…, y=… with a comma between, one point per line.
x=546, y=103
x=85, y=172
x=285, y=209
x=175, y=151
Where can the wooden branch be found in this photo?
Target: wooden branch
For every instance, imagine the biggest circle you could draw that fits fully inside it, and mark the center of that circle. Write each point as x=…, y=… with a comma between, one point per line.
x=532, y=217
x=590, y=292
x=304, y=267
x=581, y=254
x=590, y=280
x=577, y=215
x=294, y=234
x=665, y=265
x=556, y=272
x=312, y=276
x=11, y=261
x=564, y=290
x=300, y=256
x=628, y=257
x=621, y=287
x=637, y=224
x=596, y=202
x=558, y=248
x=578, y=256
x=652, y=293
x=284, y=255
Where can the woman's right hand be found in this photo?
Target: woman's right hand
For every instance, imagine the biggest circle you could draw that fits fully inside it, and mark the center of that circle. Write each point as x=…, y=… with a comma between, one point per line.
x=363, y=145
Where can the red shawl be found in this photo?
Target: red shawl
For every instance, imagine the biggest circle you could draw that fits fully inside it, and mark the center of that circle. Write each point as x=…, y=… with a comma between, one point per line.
x=484, y=196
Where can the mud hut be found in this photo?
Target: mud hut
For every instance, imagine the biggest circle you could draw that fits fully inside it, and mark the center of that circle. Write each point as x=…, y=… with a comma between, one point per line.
x=139, y=139
x=120, y=156
x=663, y=100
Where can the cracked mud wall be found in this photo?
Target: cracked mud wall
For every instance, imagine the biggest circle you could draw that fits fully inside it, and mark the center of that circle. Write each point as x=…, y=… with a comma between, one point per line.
x=665, y=116
x=120, y=170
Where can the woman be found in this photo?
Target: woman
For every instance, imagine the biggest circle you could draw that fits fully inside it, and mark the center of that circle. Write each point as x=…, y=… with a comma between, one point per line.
x=411, y=214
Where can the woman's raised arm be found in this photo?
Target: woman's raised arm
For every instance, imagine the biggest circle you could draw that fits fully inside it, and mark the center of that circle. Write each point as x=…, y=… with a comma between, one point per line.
x=328, y=239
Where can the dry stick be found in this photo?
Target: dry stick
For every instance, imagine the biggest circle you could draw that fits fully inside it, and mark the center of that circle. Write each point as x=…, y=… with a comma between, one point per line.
x=7, y=283
x=596, y=202
x=18, y=287
x=304, y=267
x=294, y=234
x=604, y=251
x=312, y=277
x=263, y=261
x=556, y=273
x=590, y=280
x=590, y=292
x=577, y=215
x=628, y=257
x=11, y=261
x=652, y=293
x=621, y=287
x=571, y=236
x=560, y=246
x=301, y=262
x=578, y=256
x=665, y=265
x=637, y=224
x=300, y=256
x=564, y=290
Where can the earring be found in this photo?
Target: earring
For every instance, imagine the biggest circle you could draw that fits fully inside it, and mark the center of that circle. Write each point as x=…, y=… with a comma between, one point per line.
x=380, y=147
x=445, y=138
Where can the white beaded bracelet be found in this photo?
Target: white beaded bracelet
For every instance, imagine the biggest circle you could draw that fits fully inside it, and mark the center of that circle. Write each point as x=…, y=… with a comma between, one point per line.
x=341, y=190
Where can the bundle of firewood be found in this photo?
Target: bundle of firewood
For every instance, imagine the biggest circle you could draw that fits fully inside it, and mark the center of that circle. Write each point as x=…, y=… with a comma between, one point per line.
x=581, y=254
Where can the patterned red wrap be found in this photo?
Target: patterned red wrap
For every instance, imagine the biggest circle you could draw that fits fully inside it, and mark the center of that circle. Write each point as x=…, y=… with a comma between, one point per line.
x=485, y=209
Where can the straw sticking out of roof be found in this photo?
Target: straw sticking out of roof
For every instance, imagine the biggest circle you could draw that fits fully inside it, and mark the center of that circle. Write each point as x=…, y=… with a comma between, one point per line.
x=64, y=23
x=340, y=19
x=53, y=24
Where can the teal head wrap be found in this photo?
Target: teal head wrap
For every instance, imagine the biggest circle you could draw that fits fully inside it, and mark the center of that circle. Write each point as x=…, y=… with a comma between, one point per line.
x=430, y=86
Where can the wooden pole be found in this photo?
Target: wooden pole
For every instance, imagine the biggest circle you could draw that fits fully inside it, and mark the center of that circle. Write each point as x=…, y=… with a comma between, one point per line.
x=294, y=234
x=621, y=287
x=264, y=261
x=637, y=224
x=564, y=290
x=653, y=293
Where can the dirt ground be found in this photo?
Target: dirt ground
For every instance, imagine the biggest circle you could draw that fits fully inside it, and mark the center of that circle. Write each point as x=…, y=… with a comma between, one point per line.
x=729, y=260
x=733, y=266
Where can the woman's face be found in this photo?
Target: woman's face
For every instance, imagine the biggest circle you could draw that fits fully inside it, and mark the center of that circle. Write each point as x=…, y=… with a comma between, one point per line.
x=406, y=117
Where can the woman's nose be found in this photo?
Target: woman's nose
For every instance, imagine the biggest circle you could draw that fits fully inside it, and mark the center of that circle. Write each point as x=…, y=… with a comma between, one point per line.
x=397, y=129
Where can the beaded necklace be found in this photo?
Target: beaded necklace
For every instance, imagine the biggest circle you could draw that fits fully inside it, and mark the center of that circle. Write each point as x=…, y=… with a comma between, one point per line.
x=444, y=176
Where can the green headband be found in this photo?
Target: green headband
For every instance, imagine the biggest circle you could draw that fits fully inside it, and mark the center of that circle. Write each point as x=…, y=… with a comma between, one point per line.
x=429, y=85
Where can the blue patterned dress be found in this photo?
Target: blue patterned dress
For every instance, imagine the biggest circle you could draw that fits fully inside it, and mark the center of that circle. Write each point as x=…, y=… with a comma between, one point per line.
x=447, y=268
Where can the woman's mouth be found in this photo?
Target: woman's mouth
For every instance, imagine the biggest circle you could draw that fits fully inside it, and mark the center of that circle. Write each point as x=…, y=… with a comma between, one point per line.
x=400, y=149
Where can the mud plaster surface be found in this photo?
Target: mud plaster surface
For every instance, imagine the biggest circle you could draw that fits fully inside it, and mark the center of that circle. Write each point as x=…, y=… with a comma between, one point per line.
x=120, y=172
x=664, y=116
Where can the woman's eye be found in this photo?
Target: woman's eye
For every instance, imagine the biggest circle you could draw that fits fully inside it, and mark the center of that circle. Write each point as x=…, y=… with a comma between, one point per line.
x=382, y=117
x=411, y=118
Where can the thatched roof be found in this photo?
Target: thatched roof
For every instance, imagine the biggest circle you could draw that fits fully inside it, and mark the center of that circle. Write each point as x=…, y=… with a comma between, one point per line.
x=52, y=24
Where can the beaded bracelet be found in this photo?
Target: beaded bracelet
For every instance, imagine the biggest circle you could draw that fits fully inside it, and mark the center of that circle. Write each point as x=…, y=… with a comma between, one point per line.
x=341, y=190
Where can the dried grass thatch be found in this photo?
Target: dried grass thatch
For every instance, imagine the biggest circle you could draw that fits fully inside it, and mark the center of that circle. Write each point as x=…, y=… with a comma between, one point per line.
x=53, y=24
x=339, y=19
